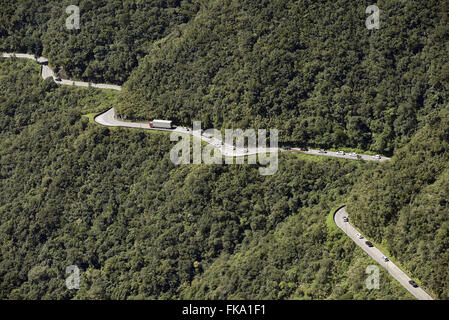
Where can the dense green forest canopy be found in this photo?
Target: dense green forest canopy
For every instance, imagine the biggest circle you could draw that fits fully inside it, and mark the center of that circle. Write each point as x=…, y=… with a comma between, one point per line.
x=111, y=202
x=308, y=68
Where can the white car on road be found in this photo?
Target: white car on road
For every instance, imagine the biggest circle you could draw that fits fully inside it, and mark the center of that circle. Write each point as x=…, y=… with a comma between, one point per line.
x=359, y=236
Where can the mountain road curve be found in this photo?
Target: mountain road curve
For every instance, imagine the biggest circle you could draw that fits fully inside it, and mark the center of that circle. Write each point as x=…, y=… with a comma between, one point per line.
x=377, y=255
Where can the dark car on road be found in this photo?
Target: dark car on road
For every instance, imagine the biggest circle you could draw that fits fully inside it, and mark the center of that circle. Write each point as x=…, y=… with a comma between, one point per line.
x=58, y=79
x=287, y=148
x=369, y=244
x=413, y=284
x=303, y=149
x=345, y=219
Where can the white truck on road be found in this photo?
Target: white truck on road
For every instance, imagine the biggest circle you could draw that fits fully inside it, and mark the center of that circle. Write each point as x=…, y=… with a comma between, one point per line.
x=164, y=124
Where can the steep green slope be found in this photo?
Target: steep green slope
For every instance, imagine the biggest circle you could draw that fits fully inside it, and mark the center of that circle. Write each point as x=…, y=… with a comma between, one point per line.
x=111, y=202
x=113, y=34
x=404, y=204
x=311, y=69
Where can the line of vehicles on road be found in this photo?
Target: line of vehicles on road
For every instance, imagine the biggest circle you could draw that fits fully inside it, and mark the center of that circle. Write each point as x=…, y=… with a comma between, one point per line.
x=384, y=258
x=340, y=153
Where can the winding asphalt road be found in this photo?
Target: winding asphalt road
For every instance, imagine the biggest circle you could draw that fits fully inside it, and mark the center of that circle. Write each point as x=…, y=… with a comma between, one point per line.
x=48, y=72
x=108, y=119
x=347, y=156
x=376, y=254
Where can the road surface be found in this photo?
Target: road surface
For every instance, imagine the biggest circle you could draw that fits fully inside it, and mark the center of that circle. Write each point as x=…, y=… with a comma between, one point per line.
x=108, y=118
x=376, y=254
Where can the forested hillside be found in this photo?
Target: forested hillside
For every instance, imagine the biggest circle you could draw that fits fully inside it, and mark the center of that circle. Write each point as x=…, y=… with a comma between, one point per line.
x=111, y=202
x=308, y=68
x=405, y=205
x=113, y=34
